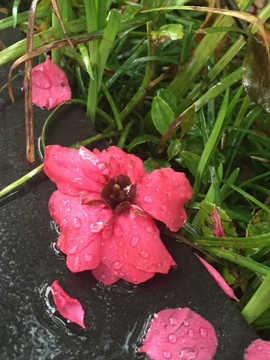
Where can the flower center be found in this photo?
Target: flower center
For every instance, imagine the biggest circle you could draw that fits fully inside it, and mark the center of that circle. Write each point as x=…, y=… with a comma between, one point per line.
x=119, y=193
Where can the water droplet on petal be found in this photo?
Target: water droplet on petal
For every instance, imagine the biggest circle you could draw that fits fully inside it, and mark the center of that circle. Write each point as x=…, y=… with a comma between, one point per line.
x=134, y=241
x=148, y=229
x=203, y=333
x=117, y=265
x=186, y=323
x=145, y=254
x=188, y=353
x=147, y=199
x=167, y=355
x=172, y=338
x=88, y=257
x=103, y=276
x=73, y=249
x=118, y=231
x=260, y=348
x=77, y=223
x=173, y=321
x=190, y=333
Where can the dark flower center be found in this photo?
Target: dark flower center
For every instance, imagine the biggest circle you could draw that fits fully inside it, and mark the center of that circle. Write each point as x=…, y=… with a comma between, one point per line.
x=119, y=193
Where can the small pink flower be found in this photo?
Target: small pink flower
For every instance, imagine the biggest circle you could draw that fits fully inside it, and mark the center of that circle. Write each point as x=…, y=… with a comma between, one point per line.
x=68, y=307
x=49, y=85
x=180, y=334
x=258, y=350
x=219, y=279
x=105, y=205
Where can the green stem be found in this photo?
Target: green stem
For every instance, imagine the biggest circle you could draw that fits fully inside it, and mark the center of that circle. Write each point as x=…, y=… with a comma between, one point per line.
x=259, y=302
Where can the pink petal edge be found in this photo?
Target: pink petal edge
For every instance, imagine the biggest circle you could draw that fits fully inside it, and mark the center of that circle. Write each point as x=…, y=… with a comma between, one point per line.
x=258, y=350
x=68, y=307
x=180, y=333
x=219, y=279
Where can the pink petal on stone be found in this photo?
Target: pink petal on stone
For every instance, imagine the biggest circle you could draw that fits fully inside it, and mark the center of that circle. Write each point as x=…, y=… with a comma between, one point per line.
x=68, y=307
x=81, y=227
x=219, y=279
x=162, y=194
x=49, y=85
x=258, y=350
x=62, y=166
x=216, y=220
x=180, y=334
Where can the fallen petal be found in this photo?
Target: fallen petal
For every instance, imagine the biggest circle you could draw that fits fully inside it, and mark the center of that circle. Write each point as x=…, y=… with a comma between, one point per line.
x=68, y=307
x=180, y=334
x=258, y=350
x=219, y=279
x=49, y=85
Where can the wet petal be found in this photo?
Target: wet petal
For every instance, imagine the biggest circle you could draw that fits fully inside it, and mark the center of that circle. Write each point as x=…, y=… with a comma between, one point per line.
x=180, y=334
x=258, y=350
x=138, y=239
x=162, y=194
x=123, y=163
x=49, y=85
x=68, y=307
x=219, y=279
x=62, y=166
x=80, y=227
x=104, y=274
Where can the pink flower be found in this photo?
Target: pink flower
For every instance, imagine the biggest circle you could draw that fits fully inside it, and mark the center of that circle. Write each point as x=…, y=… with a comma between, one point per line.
x=68, y=307
x=258, y=350
x=180, y=334
x=49, y=85
x=105, y=205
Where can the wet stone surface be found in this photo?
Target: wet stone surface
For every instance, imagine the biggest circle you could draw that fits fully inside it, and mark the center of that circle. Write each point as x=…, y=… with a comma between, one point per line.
x=116, y=317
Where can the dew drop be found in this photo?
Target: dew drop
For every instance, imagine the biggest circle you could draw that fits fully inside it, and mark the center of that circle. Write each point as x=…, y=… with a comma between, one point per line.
x=167, y=355
x=203, y=333
x=173, y=321
x=103, y=276
x=134, y=241
x=77, y=223
x=147, y=199
x=157, y=190
x=186, y=323
x=148, y=229
x=88, y=257
x=260, y=348
x=172, y=338
x=118, y=231
x=145, y=254
x=73, y=249
x=188, y=353
x=190, y=333
x=117, y=265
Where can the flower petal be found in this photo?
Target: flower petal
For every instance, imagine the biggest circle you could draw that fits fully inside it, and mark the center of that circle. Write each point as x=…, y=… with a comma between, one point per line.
x=219, y=279
x=139, y=243
x=216, y=220
x=180, y=333
x=62, y=166
x=80, y=227
x=121, y=162
x=162, y=194
x=68, y=307
x=104, y=274
x=258, y=350
x=49, y=85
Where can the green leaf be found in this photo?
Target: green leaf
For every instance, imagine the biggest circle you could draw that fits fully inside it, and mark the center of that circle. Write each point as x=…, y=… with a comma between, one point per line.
x=168, y=32
x=191, y=161
x=162, y=114
x=169, y=97
x=188, y=119
x=256, y=73
x=208, y=226
x=151, y=164
x=141, y=140
x=259, y=224
x=174, y=148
